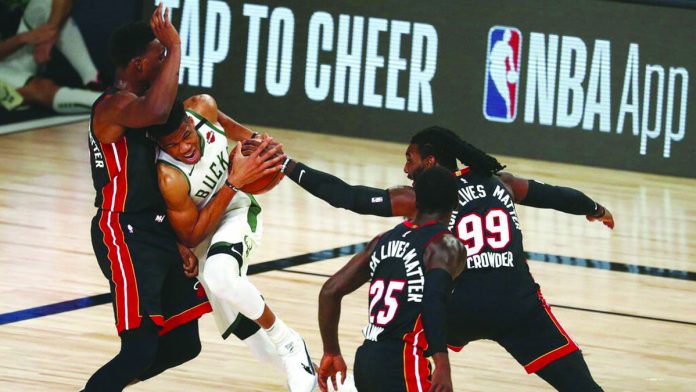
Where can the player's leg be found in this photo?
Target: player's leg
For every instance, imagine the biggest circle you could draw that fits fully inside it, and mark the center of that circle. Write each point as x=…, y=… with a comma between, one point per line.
x=390, y=366
x=569, y=373
x=178, y=346
x=224, y=275
x=538, y=341
x=45, y=92
x=138, y=352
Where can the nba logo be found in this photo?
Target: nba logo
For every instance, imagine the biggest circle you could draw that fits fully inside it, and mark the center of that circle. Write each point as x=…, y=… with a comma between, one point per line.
x=502, y=74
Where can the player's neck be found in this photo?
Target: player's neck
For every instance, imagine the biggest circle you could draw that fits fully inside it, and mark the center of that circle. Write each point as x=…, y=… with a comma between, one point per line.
x=123, y=82
x=422, y=218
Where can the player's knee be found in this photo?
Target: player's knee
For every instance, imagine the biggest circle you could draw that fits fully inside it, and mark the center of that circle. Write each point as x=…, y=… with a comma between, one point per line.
x=221, y=274
x=139, y=353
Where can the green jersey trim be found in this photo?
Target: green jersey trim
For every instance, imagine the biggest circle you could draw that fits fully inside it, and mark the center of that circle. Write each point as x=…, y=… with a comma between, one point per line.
x=253, y=213
x=208, y=123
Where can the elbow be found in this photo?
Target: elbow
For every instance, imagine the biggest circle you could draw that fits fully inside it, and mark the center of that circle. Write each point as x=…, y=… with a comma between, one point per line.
x=329, y=291
x=189, y=241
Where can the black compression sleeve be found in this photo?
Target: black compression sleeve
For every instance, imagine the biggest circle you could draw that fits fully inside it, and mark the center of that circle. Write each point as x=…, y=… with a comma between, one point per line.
x=560, y=198
x=333, y=190
x=435, y=295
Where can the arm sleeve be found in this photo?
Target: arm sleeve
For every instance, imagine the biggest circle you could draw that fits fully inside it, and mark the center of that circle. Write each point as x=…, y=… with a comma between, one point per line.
x=560, y=198
x=435, y=296
x=333, y=190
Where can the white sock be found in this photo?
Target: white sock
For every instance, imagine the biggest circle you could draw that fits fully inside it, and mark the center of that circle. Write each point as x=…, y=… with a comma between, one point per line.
x=73, y=47
x=74, y=100
x=263, y=349
x=279, y=332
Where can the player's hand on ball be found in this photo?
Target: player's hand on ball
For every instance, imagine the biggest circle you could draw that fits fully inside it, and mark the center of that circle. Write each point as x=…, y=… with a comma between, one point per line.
x=329, y=366
x=250, y=145
x=190, y=261
x=263, y=161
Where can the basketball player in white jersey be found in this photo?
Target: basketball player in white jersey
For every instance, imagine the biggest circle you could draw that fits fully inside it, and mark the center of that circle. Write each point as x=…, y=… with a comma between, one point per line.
x=209, y=213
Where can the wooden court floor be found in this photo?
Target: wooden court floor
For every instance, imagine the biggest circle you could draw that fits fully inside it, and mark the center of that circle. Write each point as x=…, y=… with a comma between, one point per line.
x=637, y=331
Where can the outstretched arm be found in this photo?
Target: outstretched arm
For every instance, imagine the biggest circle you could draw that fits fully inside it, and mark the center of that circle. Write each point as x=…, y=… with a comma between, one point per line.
x=396, y=201
x=571, y=201
x=444, y=260
x=348, y=279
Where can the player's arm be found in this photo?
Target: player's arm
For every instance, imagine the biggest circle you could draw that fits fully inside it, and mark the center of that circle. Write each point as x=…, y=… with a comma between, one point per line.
x=193, y=225
x=206, y=106
x=124, y=110
x=444, y=260
x=348, y=279
x=395, y=201
x=571, y=201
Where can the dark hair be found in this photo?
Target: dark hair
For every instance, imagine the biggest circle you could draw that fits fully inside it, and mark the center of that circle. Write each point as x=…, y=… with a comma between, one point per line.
x=176, y=116
x=446, y=146
x=128, y=42
x=436, y=191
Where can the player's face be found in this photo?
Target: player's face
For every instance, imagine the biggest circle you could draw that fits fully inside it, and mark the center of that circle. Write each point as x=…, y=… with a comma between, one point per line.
x=414, y=164
x=183, y=144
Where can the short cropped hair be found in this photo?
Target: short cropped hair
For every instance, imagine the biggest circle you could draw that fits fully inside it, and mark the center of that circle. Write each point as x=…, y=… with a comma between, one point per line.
x=436, y=191
x=176, y=117
x=128, y=42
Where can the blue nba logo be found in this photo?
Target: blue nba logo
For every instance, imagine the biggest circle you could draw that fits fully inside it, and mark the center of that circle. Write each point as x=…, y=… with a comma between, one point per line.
x=502, y=74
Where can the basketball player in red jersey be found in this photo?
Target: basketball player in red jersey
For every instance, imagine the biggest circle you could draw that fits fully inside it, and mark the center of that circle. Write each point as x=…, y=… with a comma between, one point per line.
x=155, y=305
x=496, y=298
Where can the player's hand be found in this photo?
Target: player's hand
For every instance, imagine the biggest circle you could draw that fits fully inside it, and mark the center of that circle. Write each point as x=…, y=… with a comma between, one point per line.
x=250, y=145
x=442, y=376
x=40, y=34
x=163, y=29
x=190, y=261
x=330, y=365
x=42, y=50
x=606, y=218
x=261, y=162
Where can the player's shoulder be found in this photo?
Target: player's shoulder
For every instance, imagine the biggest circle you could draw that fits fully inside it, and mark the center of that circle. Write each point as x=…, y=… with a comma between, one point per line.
x=203, y=105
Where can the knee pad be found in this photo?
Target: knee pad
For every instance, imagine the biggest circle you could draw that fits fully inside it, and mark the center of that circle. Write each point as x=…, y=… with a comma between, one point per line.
x=222, y=278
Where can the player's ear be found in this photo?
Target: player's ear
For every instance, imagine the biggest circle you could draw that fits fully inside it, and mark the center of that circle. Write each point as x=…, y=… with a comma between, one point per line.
x=137, y=64
x=429, y=161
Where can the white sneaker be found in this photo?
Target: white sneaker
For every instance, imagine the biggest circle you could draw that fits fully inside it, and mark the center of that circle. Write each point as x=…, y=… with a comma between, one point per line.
x=302, y=377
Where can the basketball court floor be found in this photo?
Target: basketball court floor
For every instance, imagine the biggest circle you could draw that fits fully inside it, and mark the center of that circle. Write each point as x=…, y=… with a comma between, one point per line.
x=627, y=296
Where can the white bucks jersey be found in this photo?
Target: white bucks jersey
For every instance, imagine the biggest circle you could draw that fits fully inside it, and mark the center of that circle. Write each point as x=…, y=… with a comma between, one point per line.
x=208, y=175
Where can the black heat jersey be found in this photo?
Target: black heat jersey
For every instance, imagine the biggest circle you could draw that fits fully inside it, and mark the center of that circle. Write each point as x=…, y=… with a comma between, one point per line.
x=396, y=288
x=124, y=173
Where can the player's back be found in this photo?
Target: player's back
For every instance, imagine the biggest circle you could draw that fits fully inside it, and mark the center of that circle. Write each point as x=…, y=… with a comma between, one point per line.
x=397, y=284
x=487, y=222
x=123, y=172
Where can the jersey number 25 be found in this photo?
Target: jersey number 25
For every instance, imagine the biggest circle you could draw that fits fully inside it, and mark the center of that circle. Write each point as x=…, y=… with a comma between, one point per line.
x=391, y=304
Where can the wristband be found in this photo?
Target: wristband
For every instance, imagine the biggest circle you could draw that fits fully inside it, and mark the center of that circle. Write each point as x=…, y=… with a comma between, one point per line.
x=229, y=185
x=285, y=165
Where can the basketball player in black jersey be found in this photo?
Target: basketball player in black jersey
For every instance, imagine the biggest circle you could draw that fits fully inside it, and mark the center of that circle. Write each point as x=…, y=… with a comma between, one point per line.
x=410, y=269
x=156, y=305
x=498, y=275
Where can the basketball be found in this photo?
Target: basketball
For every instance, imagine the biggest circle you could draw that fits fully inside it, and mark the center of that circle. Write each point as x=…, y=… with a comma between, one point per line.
x=263, y=184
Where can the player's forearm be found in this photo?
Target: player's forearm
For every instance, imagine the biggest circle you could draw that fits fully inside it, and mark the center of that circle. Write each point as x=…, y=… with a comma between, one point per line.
x=437, y=285
x=233, y=129
x=159, y=98
x=208, y=218
x=60, y=12
x=329, y=316
x=11, y=45
x=333, y=190
x=564, y=199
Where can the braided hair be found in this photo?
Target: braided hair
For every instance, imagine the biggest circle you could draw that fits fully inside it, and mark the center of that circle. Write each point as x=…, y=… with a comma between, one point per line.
x=447, y=147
